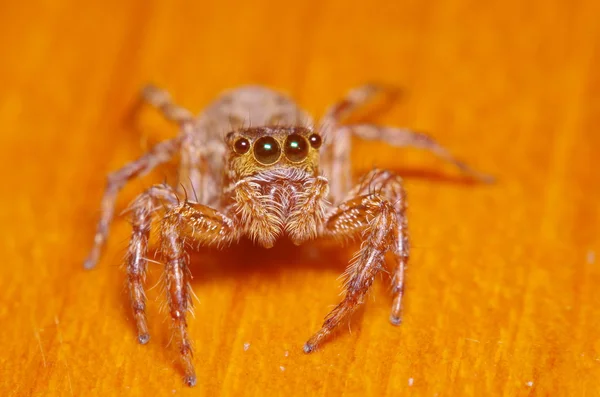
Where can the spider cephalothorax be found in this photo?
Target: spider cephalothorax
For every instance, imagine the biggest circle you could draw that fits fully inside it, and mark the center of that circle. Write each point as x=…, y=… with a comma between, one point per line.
x=277, y=178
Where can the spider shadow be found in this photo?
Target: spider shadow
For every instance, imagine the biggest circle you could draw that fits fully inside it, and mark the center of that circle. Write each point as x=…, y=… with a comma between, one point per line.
x=432, y=175
x=418, y=173
x=245, y=259
x=242, y=261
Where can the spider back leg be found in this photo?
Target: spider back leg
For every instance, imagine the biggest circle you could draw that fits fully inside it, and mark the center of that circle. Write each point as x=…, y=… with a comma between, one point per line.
x=402, y=137
x=160, y=153
x=161, y=100
x=194, y=167
x=335, y=152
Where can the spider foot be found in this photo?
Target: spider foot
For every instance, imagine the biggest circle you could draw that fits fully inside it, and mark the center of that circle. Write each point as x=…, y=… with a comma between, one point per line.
x=190, y=380
x=92, y=259
x=395, y=319
x=308, y=348
x=190, y=374
x=398, y=292
x=143, y=338
x=315, y=341
x=89, y=264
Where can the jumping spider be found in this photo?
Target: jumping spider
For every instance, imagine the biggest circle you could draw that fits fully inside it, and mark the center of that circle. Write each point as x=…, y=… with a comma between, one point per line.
x=279, y=176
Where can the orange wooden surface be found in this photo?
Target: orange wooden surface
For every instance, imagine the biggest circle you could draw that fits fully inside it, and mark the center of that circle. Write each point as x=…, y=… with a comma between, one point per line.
x=502, y=295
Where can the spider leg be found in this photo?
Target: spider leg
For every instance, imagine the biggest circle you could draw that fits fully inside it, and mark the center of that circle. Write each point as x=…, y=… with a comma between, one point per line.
x=142, y=210
x=353, y=100
x=192, y=167
x=391, y=186
x=205, y=226
x=198, y=148
x=160, y=153
x=380, y=216
x=197, y=175
x=161, y=100
x=401, y=137
x=335, y=152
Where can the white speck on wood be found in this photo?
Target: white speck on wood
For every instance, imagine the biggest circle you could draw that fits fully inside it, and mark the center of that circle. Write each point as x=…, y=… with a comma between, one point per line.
x=246, y=346
x=282, y=368
x=286, y=353
x=411, y=381
x=529, y=384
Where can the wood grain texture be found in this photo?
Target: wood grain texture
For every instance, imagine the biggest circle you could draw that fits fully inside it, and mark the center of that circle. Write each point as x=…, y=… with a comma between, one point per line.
x=501, y=297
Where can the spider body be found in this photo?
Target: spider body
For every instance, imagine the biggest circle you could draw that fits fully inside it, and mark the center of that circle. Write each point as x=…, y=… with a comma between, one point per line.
x=282, y=175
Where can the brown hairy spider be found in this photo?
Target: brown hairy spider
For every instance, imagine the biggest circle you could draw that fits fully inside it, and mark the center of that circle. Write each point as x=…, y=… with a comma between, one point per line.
x=276, y=177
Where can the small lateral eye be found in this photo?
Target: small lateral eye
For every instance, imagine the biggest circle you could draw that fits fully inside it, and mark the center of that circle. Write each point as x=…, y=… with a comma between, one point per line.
x=315, y=140
x=241, y=146
x=296, y=148
x=267, y=150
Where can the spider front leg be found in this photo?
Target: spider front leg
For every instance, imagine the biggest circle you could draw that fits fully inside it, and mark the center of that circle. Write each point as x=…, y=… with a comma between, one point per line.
x=383, y=221
x=144, y=206
x=207, y=227
x=391, y=186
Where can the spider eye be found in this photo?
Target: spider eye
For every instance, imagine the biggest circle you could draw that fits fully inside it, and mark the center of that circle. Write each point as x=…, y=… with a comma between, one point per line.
x=267, y=150
x=241, y=146
x=296, y=148
x=315, y=140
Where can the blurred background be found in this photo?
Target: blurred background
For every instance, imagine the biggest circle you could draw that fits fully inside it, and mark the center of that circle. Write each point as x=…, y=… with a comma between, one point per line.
x=500, y=295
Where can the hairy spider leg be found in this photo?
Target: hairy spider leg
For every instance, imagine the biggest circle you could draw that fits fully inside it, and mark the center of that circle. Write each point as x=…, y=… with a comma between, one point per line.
x=337, y=148
x=207, y=227
x=335, y=152
x=402, y=137
x=142, y=210
x=378, y=215
x=160, y=153
x=194, y=178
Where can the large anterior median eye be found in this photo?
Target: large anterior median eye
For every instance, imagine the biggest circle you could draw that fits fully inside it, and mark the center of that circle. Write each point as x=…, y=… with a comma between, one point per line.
x=267, y=150
x=296, y=148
